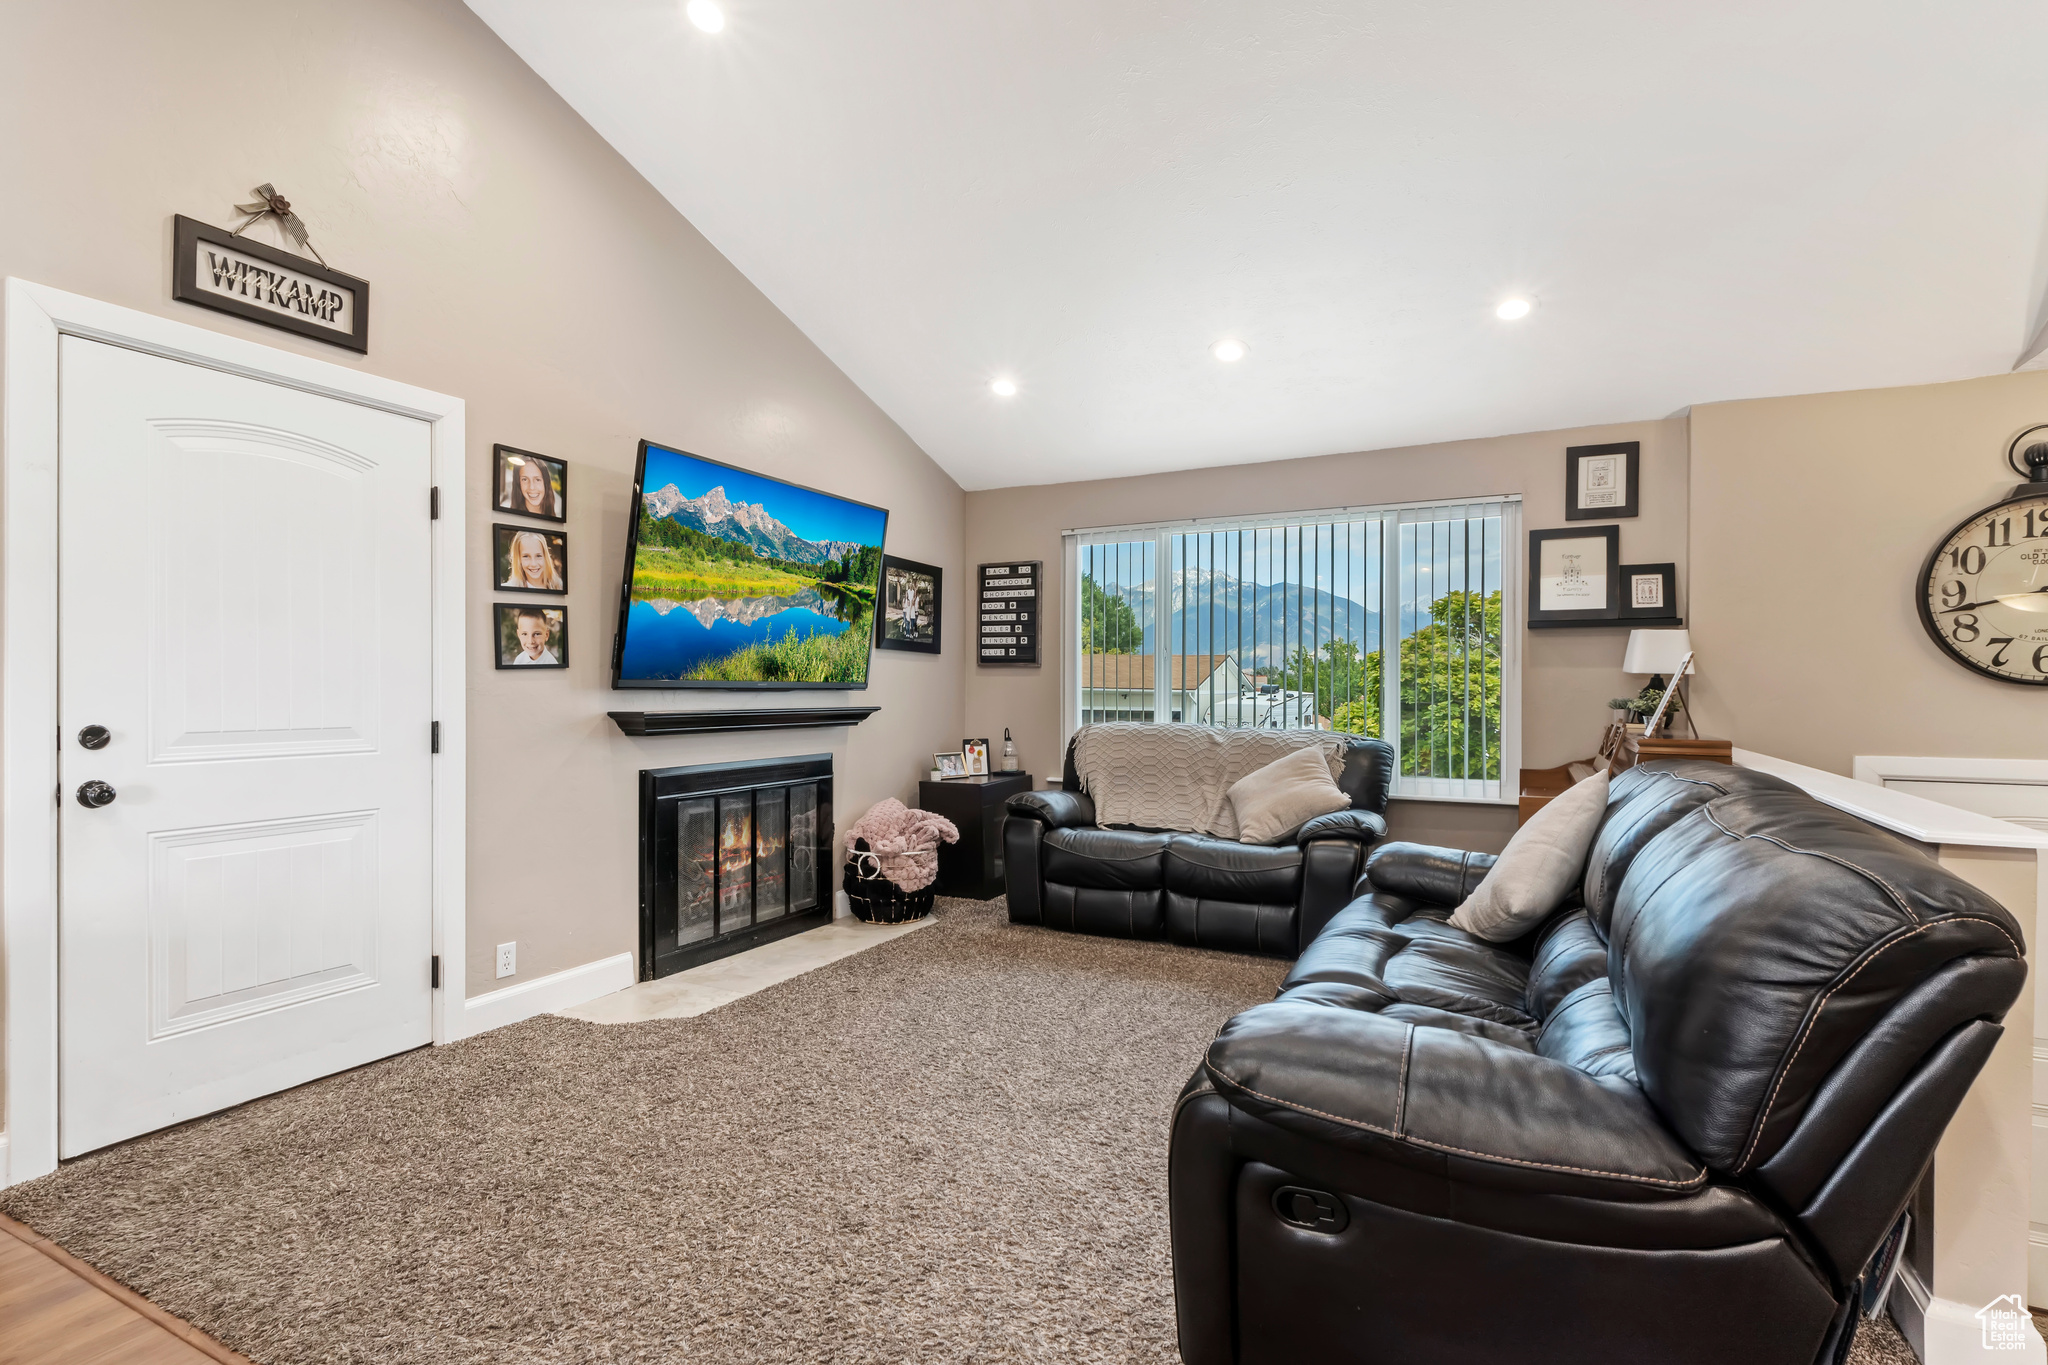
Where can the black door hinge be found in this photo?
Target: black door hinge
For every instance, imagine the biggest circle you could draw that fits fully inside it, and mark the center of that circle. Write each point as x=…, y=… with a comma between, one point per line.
x=434, y=972
x=434, y=503
x=434, y=741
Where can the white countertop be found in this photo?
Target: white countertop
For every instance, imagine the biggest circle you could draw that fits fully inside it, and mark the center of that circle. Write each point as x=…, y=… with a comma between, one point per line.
x=1916, y=817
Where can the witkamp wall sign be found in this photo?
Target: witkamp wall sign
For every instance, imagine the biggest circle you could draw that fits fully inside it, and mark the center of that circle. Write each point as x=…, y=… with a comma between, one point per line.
x=216, y=269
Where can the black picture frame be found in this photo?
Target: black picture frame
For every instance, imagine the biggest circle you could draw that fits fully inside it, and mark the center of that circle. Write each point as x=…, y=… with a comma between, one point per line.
x=909, y=569
x=1608, y=539
x=295, y=308
x=506, y=461
x=1665, y=610
x=504, y=537
x=1630, y=455
x=505, y=649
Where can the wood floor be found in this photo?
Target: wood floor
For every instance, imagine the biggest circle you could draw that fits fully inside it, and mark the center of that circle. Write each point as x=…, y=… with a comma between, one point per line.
x=56, y=1310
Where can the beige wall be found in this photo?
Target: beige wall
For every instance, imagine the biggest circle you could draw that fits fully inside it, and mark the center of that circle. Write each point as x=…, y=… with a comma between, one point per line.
x=1568, y=675
x=517, y=262
x=1811, y=518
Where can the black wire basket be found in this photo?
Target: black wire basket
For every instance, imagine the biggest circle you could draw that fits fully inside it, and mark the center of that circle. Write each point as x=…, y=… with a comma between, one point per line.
x=875, y=898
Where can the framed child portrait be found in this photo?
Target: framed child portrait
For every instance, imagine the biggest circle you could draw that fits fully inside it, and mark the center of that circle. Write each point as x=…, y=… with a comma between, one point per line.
x=528, y=559
x=532, y=636
x=529, y=485
x=909, y=618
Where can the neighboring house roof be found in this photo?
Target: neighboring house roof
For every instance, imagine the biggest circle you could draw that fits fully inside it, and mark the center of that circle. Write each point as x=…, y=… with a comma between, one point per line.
x=1138, y=672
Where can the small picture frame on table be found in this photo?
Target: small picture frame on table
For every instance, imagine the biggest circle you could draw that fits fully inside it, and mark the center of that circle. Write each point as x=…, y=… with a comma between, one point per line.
x=909, y=618
x=529, y=485
x=1574, y=575
x=975, y=753
x=949, y=765
x=531, y=636
x=1600, y=481
x=1649, y=592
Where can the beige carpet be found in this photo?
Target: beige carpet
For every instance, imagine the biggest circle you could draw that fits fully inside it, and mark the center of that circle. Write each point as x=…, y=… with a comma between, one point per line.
x=951, y=1147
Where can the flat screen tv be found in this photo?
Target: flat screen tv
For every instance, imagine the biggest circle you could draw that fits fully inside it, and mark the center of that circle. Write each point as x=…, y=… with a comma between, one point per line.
x=737, y=580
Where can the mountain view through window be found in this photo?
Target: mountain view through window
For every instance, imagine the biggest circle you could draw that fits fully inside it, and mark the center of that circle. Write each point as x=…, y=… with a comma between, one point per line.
x=1388, y=624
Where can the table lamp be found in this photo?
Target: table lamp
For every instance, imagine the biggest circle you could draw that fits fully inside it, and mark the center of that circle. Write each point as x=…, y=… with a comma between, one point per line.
x=1659, y=652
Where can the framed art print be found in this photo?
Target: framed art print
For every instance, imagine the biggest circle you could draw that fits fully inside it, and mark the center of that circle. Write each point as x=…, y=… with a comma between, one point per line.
x=528, y=559
x=975, y=752
x=529, y=485
x=1649, y=592
x=909, y=618
x=949, y=765
x=535, y=636
x=1600, y=481
x=1574, y=575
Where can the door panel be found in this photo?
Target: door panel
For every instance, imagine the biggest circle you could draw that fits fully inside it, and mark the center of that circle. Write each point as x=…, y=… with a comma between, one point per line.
x=248, y=918
x=244, y=603
x=247, y=655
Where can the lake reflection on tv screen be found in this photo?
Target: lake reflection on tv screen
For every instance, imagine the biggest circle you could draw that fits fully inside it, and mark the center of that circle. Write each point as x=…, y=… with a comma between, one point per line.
x=667, y=639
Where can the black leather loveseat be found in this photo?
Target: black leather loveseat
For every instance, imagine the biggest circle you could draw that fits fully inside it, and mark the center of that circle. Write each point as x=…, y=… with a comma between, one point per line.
x=1064, y=871
x=1671, y=1125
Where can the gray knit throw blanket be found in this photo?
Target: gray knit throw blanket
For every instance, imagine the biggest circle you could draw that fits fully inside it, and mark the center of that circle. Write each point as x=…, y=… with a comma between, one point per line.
x=1177, y=776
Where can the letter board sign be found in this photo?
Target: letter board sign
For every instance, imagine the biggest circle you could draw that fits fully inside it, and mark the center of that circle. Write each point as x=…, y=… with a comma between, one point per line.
x=1008, y=614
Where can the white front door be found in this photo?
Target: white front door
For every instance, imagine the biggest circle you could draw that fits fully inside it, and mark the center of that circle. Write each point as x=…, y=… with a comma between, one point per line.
x=244, y=609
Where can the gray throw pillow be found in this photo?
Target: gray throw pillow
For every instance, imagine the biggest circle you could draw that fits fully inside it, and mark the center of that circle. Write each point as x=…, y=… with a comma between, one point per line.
x=1284, y=795
x=1539, y=867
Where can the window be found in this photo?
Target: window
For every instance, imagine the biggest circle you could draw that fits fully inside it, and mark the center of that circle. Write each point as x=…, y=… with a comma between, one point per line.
x=1378, y=621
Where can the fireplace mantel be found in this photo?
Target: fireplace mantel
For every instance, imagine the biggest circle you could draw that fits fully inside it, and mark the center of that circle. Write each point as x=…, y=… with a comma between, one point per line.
x=717, y=722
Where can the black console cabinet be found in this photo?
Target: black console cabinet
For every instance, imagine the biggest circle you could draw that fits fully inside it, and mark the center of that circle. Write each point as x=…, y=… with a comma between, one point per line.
x=972, y=868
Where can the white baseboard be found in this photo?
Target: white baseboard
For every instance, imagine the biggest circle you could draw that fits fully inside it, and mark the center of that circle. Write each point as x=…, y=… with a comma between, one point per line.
x=542, y=995
x=1954, y=1335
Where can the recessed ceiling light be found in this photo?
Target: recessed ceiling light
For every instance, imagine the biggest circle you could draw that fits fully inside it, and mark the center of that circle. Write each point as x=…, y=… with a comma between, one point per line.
x=1512, y=309
x=1004, y=388
x=1228, y=351
x=705, y=15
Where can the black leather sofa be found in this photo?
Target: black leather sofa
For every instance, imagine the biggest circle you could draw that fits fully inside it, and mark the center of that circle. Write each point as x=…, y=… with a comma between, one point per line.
x=1672, y=1124
x=1064, y=871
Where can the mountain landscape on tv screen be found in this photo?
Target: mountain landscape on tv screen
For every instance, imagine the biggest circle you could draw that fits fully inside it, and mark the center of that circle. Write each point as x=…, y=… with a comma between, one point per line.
x=748, y=523
x=725, y=590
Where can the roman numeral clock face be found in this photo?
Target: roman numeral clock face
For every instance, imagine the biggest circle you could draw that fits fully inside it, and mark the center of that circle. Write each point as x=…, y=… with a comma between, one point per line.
x=1984, y=593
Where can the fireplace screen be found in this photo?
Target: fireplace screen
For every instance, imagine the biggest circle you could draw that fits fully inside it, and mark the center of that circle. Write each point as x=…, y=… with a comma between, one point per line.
x=730, y=856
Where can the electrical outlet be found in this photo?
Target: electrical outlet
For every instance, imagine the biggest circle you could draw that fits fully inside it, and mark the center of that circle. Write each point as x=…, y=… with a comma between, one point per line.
x=508, y=959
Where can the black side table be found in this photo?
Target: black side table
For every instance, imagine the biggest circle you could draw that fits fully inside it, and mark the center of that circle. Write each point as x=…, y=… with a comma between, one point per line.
x=973, y=867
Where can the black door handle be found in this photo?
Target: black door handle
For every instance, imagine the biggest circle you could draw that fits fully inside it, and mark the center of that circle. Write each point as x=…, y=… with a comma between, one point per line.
x=94, y=794
x=93, y=737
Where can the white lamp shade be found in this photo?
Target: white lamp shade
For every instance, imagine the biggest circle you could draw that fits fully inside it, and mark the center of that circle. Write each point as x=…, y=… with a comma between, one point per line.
x=1657, y=651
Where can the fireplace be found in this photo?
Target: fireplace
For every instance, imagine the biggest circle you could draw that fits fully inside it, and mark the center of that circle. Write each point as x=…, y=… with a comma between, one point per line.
x=732, y=855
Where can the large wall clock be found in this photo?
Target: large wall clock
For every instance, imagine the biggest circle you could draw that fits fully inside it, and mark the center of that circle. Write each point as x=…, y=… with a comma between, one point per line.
x=1983, y=594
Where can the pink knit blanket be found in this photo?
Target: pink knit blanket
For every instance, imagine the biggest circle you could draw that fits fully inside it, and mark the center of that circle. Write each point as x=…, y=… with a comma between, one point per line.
x=896, y=833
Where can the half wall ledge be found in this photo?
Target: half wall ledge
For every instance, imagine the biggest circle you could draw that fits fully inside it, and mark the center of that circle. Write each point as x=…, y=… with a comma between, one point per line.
x=718, y=722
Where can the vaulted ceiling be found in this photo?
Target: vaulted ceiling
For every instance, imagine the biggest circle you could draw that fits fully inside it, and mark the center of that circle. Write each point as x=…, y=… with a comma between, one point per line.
x=1085, y=196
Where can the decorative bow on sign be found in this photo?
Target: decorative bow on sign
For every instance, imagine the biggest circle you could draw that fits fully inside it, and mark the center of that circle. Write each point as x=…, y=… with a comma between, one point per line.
x=270, y=204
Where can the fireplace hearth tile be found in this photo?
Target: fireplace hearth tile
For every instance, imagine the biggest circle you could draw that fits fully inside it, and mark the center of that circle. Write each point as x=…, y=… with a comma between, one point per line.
x=698, y=990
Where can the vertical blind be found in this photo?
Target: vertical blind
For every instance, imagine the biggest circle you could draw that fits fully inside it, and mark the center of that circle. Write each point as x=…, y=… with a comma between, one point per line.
x=1384, y=622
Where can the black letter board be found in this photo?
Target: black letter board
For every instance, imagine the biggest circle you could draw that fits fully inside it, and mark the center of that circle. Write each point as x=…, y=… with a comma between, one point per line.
x=1009, y=614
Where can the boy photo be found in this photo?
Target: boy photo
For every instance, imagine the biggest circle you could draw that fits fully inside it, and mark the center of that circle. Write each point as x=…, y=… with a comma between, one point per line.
x=529, y=484
x=528, y=560
x=532, y=637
